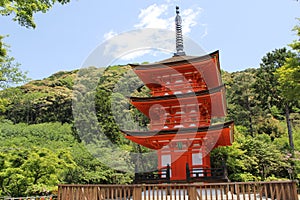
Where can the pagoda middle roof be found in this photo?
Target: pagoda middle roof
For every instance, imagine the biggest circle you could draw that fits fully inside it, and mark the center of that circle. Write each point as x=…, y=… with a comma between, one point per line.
x=178, y=130
x=176, y=60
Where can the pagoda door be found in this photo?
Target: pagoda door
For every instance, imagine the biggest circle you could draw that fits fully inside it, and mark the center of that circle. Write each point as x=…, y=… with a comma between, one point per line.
x=178, y=167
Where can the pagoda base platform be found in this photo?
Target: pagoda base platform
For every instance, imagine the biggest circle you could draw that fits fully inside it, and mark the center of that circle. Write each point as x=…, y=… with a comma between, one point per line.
x=206, y=175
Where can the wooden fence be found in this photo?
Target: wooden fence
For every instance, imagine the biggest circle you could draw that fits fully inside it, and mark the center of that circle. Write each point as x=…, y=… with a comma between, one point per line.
x=279, y=190
x=51, y=197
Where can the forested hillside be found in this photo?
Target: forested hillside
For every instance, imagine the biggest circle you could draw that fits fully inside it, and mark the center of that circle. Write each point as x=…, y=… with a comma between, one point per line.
x=42, y=146
x=49, y=129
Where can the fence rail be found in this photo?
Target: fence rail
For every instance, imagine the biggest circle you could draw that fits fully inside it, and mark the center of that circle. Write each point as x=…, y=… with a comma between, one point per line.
x=279, y=190
x=51, y=197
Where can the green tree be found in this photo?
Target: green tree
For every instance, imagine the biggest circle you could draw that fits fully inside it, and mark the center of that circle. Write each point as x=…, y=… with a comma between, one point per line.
x=9, y=70
x=10, y=73
x=23, y=11
x=289, y=74
x=268, y=86
x=47, y=100
x=289, y=82
x=243, y=105
x=2, y=50
x=35, y=158
x=252, y=158
x=32, y=171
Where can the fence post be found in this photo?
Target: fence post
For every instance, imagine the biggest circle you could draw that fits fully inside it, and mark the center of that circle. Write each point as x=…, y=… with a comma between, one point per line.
x=192, y=193
x=58, y=192
x=237, y=190
x=187, y=172
x=294, y=188
x=168, y=174
x=137, y=193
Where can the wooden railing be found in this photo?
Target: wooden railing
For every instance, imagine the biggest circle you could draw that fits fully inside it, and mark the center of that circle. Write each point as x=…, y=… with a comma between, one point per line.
x=207, y=175
x=192, y=175
x=158, y=176
x=280, y=190
x=204, y=174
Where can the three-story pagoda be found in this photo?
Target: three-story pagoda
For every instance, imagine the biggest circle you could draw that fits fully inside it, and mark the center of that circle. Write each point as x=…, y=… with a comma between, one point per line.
x=188, y=96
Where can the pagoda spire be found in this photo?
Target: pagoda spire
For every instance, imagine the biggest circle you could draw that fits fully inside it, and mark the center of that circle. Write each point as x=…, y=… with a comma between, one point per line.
x=179, y=37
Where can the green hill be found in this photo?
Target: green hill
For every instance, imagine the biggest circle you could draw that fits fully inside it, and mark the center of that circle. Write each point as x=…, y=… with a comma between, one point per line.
x=45, y=139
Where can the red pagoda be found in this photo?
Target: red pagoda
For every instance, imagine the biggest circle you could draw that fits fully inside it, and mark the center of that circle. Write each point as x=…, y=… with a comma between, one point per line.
x=188, y=100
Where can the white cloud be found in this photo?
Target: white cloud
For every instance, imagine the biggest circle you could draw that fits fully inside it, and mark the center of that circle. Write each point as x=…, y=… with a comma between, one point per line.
x=136, y=43
x=205, y=32
x=189, y=17
x=109, y=35
x=169, y=1
x=135, y=54
x=154, y=16
x=157, y=16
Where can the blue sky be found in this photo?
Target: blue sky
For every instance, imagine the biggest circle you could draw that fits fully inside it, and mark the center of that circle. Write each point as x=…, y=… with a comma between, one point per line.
x=243, y=31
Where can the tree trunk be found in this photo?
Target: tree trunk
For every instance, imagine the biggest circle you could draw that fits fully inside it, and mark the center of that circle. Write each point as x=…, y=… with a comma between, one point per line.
x=140, y=159
x=250, y=118
x=289, y=126
x=251, y=125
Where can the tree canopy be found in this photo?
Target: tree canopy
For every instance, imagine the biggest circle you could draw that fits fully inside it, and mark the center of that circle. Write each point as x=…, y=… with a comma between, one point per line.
x=289, y=74
x=23, y=11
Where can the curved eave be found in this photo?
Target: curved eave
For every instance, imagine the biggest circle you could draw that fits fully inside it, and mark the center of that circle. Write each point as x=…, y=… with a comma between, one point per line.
x=177, y=96
x=175, y=62
x=213, y=136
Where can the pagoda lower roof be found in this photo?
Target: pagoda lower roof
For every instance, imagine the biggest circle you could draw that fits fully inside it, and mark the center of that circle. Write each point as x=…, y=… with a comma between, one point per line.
x=177, y=96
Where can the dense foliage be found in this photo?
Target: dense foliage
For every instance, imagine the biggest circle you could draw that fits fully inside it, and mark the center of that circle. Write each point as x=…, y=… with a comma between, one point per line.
x=267, y=123
x=10, y=73
x=49, y=100
x=53, y=130
x=23, y=11
x=289, y=74
x=35, y=158
x=38, y=127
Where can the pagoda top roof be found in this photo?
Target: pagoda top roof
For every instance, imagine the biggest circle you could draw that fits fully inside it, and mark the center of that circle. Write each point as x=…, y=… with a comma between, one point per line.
x=174, y=60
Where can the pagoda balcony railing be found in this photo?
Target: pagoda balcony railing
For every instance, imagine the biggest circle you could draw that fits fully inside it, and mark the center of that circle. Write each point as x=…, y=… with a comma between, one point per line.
x=182, y=88
x=206, y=174
x=192, y=175
x=187, y=124
x=157, y=176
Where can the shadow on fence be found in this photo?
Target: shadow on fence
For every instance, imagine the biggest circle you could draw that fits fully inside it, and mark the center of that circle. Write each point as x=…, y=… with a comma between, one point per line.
x=279, y=190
